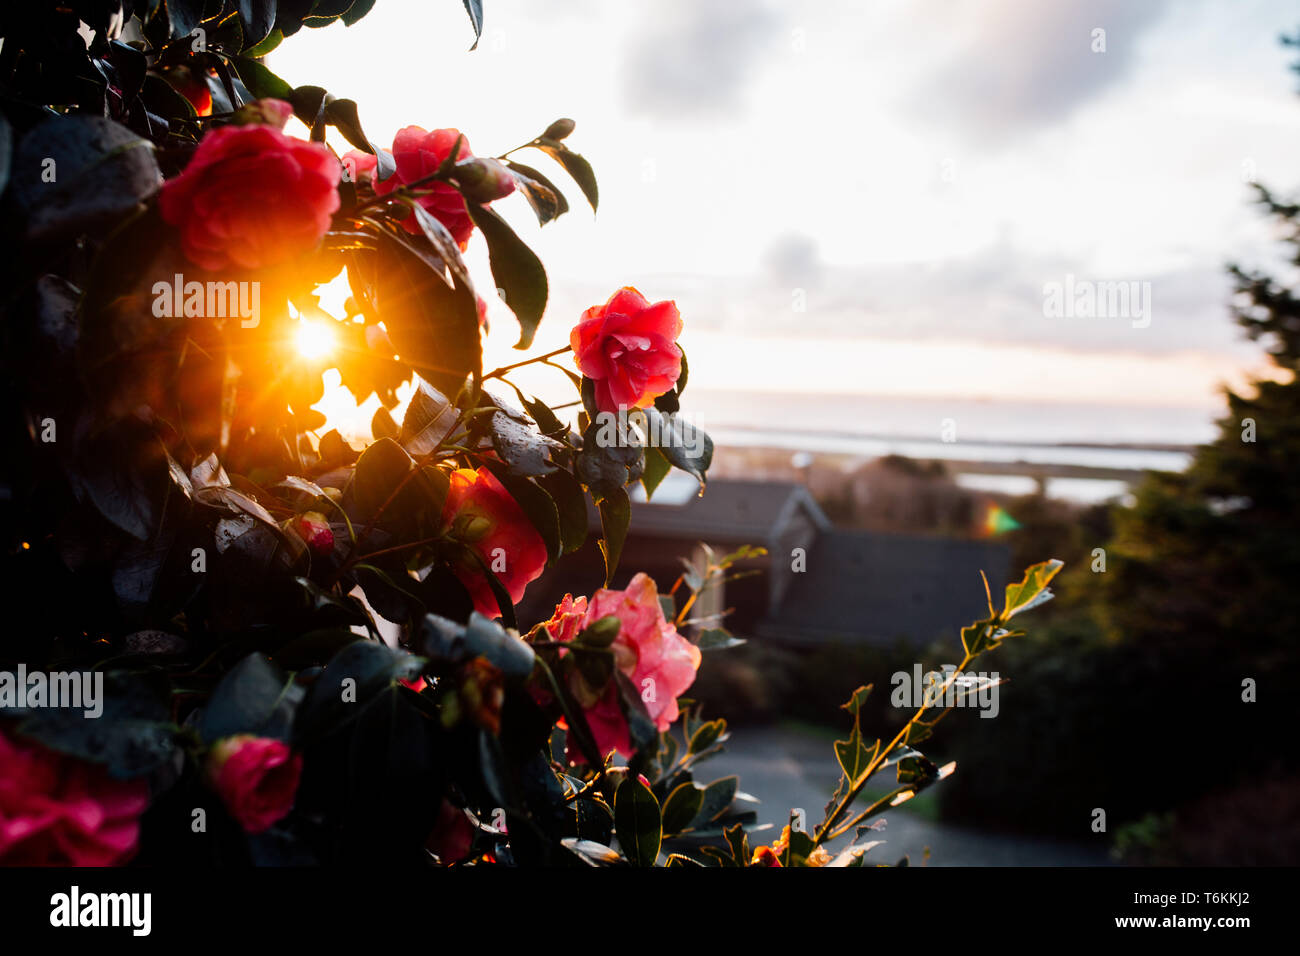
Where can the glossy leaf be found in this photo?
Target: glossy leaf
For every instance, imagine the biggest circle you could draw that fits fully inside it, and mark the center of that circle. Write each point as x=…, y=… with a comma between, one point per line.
x=517, y=271
x=637, y=822
x=615, y=515
x=681, y=807
x=1032, y=590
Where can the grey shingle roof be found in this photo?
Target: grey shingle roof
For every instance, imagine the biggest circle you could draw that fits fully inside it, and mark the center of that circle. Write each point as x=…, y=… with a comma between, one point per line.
x=866, y=586
x=731, y=511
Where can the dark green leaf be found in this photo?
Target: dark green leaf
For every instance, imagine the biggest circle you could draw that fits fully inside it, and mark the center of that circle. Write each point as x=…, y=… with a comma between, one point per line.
x=717, y=639
x=542, y=194
x=706, y=736
x=358, y=10
x=577, y=167
x=612, y=456
x=353, y=678
x=379, y=469
x=571, y=507
x=637, y=822
x=434, y=328
x=80, y=174
x=132, y=735
x=256, y=17
x=252, y=698
x=681, y=443
x=717, y=798
x=447, y=640
x=446, y=253
x=681, y=807
x=656, y=469
x=615, y=515
x=273, y=40
x=260, y=81
x=517, y=271
x=475, y=10
x=184, y=16
x=429, y=419
x=524, y=450
x=739, y=843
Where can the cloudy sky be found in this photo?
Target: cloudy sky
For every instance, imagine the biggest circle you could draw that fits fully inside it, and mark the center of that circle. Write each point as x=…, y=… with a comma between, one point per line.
x=845, y=196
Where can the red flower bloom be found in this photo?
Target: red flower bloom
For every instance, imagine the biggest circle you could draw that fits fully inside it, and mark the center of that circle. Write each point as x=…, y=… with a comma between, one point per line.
x=418, y=153
x=628, y=347
x=256, y=778
x=59, y=811
x=252, y=197
x=484, y=517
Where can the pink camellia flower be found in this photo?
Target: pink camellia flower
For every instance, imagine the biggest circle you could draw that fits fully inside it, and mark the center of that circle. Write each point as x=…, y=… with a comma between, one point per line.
x=256, y=778
x=628, y=347
x=660, y=662
x=482, y=515
x=418, y=153
x=252, y=197
x=59, y=811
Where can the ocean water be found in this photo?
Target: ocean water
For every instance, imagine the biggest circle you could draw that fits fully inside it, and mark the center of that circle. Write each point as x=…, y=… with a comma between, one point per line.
x=992, y=421
x=1097, y=435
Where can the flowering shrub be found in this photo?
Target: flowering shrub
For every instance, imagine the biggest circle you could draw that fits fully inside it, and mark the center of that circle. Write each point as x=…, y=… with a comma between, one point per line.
x=179, y=519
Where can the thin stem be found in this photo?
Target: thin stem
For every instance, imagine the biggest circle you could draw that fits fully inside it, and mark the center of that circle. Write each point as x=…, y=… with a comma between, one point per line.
x=395, y=548
x=498, y=372
x=828, y=830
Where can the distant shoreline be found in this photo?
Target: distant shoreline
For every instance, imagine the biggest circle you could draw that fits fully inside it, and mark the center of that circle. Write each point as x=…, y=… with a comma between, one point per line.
x=812, y=434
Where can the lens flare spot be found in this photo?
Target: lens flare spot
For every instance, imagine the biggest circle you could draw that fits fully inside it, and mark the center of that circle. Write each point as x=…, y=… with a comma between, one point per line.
x=315, y=340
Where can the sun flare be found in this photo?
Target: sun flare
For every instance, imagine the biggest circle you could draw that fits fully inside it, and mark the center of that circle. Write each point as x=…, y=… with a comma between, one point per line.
x=315, y=340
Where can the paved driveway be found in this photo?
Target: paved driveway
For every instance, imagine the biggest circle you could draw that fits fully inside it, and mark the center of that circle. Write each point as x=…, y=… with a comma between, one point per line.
x=788, y=768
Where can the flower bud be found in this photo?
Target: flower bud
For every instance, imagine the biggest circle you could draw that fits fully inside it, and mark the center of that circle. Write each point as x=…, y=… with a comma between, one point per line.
x=559, y=129
x=312, y=527
x=601, y=633
x=483, y=180
x=471, y=528
x=267, y=112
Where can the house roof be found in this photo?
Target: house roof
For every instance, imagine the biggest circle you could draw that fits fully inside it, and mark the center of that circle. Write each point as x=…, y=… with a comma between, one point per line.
x=878, y=588
x=733, y=510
